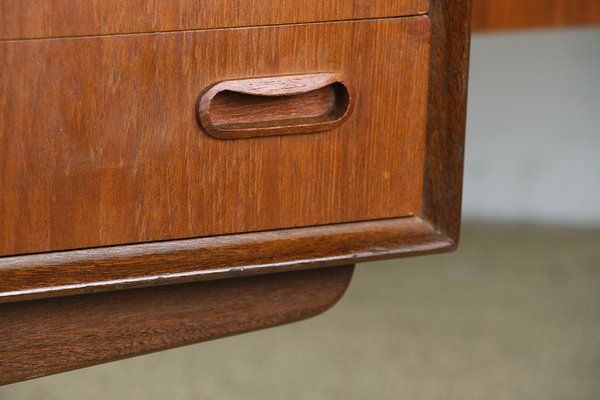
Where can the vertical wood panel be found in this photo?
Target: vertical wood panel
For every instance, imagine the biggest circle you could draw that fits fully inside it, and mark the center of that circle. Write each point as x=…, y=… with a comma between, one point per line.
x=446, y=120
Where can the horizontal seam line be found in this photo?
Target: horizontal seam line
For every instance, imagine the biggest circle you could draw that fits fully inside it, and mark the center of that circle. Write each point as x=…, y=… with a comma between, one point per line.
x=105, y=35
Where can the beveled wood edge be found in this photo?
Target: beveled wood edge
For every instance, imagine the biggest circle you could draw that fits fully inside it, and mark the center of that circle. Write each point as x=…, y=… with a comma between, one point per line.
x=43, y=337
x=180, y=261
x=446, y=116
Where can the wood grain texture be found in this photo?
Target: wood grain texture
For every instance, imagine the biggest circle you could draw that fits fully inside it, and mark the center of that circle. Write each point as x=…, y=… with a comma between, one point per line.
x=171, y=262
x=53, y=335
x=99, y=143
x=283, y=105
x=446, y=119
x=21, y=19
x=489, y=15
x=403, y=156
x=177, y=261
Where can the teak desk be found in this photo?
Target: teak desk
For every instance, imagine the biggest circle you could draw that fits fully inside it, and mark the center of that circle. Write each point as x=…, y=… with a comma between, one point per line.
x=176, y=171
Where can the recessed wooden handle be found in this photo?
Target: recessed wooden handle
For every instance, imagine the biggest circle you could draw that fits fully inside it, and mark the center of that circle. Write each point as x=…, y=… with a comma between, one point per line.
x=281, y=105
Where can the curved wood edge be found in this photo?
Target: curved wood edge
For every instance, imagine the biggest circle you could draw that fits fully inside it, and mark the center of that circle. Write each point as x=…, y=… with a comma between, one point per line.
x=286, y=85
x=112, y=268
x=48, y=336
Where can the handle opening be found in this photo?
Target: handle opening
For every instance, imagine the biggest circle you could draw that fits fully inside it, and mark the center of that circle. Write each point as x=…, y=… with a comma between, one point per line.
x=274, y=106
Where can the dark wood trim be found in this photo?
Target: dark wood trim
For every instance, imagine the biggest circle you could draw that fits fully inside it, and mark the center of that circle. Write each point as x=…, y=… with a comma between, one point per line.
x=447, y=110
x=162, y=263
x=47, y=336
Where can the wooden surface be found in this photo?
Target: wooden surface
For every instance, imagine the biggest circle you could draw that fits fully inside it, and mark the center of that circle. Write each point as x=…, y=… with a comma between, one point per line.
x=446, y=120
x=69, y=108
x=281, y=105
x=519, y=14
x=100, y=144
x=56, y=18
x=110, y=268
x=53, y=335
x=436, y=229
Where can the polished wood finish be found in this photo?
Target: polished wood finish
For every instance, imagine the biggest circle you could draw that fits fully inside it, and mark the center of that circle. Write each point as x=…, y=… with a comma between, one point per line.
x=20, y=19
x=219, y=257
x=282, y=105
x=100, y=145
x=53, y=335
x=436, y=229
x=99, y=142
x=446, y=119
x=489, y=15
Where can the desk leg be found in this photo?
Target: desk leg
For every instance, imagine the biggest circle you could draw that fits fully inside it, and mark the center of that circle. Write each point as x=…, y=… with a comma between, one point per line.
x=43, y=337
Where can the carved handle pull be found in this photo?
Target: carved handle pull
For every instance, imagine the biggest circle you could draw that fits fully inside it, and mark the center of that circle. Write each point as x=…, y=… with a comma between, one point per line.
x=281, y=105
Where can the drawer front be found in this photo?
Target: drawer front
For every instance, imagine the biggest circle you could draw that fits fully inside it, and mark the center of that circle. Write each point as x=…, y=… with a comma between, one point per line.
x=100, y=144
x=20, y=19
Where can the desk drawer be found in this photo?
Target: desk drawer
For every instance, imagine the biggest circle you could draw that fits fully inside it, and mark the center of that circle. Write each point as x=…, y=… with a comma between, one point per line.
x=100, y=143
x=27, y=19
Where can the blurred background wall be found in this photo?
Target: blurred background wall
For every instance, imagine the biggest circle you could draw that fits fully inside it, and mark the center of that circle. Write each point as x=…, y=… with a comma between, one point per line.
x=533, y=136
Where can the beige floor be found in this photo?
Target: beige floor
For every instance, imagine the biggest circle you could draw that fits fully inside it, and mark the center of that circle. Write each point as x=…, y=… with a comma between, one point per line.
x=515, y=314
